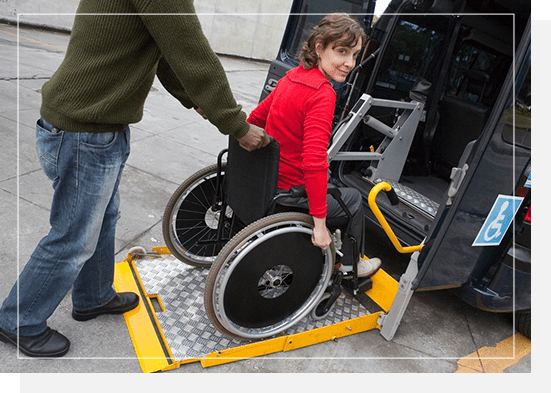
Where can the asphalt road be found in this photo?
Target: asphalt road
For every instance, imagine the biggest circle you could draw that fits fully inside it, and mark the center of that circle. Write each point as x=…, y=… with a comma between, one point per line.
x=439, y=333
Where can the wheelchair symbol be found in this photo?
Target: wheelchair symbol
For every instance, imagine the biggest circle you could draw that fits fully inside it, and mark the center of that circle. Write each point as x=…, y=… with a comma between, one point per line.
x=498, y=221
x=494, y=229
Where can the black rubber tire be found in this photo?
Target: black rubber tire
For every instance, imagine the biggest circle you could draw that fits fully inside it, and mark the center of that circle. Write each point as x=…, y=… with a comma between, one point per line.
x=252, y=316
x=184, y=219
x=524, y=323
x=317, y=313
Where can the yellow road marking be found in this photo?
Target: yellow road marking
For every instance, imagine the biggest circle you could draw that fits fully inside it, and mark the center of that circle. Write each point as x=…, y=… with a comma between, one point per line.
x=33, y=40
x=496, y=359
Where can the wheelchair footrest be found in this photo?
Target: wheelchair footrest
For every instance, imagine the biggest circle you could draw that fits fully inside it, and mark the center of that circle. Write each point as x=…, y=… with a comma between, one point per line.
x=364, y=284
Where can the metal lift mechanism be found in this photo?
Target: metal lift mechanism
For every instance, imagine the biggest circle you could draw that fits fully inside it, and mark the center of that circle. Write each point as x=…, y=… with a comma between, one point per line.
x=387, y=161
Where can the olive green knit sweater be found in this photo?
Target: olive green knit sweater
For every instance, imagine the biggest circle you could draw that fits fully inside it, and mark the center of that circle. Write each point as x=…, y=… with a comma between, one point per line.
x=116, y=49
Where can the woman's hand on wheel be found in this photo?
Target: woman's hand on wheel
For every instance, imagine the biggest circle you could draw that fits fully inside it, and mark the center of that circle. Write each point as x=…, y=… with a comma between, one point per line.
x=321, y=237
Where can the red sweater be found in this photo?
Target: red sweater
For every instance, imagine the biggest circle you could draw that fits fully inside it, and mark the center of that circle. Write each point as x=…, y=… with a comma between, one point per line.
x=298, y=113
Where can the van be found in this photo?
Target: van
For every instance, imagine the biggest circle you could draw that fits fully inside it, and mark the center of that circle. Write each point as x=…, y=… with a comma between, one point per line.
x=461, y=164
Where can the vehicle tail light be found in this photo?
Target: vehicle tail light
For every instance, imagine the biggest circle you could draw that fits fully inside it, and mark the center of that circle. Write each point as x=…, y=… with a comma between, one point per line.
x=524, y=191
x=528, y=216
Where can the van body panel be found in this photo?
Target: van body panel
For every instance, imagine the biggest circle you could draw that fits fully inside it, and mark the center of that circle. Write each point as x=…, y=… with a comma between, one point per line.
x=498, y=168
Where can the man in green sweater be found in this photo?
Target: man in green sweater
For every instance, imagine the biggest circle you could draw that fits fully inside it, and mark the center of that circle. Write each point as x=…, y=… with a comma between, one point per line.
x=116, y=49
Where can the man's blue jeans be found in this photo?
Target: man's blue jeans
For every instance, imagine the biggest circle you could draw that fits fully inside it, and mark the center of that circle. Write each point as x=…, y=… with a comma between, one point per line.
x=79, y=250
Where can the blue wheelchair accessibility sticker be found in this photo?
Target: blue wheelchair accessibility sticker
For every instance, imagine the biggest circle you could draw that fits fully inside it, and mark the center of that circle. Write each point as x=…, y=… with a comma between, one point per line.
x=528, y=183
x=498, y=221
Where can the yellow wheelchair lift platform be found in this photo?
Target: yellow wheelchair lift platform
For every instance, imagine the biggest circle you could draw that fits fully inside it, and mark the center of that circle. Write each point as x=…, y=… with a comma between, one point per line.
x=170, y=326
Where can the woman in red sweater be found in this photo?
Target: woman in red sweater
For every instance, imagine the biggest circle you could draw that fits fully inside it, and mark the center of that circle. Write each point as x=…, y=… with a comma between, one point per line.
x=298, y=113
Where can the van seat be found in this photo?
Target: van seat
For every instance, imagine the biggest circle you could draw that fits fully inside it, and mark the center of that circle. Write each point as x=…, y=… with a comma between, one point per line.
x=462, y=119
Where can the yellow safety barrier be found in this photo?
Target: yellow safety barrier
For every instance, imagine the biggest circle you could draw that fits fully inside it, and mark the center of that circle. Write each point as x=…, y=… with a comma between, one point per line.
x=382, y=220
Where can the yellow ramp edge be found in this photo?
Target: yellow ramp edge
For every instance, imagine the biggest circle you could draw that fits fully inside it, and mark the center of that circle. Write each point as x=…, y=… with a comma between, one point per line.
x=153, y=351
x=384, y=289
x=149, y=343
x=293, y=341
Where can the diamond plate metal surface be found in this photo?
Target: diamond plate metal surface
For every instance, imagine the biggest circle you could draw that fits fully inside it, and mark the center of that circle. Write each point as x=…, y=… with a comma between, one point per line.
x=415, y=199
x=185, y=323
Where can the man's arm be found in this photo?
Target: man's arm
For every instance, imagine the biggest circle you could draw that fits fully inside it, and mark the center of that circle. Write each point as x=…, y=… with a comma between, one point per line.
x=177, y=32
x=193, y=74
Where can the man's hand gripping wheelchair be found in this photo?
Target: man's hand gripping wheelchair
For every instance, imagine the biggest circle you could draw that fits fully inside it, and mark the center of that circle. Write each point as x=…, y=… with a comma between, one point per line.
x=265, y=273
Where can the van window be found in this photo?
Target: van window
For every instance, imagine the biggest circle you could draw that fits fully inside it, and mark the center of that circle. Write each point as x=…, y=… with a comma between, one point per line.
x=314, y=11
x=467, y=58
x=476, y=73
x=408, y=57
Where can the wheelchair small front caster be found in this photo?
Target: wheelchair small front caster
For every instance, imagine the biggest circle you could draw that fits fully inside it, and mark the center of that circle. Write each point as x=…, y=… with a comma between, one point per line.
x=137, y=252
x=322, y=309
x=329, y=298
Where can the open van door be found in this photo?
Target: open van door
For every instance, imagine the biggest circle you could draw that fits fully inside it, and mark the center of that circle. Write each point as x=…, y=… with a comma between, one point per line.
x=475, y=243
x=480, y=216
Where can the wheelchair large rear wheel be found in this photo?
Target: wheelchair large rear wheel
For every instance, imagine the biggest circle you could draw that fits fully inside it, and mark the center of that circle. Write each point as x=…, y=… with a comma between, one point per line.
x=267, y=277
x=191, y=217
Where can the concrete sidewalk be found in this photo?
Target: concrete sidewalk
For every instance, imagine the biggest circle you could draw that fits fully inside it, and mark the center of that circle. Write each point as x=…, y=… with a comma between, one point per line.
x=168, y=145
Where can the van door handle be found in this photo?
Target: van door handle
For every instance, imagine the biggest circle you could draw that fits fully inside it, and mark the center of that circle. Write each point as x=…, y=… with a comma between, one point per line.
x=457, y=175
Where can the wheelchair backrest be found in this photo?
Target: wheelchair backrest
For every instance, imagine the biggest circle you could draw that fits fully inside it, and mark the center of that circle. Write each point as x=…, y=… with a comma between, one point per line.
x=251, y=179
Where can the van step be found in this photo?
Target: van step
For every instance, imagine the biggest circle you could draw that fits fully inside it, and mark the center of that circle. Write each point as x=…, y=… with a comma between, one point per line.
x=413, y=199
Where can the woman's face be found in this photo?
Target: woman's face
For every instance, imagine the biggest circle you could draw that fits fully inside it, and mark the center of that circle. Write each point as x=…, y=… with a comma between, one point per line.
x=335, y=62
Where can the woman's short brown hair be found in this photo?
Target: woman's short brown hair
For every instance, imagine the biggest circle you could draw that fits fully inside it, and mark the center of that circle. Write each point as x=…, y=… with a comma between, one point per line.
x=338, y=29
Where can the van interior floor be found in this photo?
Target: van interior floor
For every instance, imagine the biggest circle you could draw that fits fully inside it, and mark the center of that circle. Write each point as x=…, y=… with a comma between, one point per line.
x=431, y=187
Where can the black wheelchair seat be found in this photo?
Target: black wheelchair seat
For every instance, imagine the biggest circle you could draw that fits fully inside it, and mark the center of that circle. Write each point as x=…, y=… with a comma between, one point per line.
x=251, y=179
x=251, y=185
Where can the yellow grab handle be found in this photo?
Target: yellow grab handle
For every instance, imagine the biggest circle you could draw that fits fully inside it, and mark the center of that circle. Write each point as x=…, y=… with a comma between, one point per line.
x=382, y=220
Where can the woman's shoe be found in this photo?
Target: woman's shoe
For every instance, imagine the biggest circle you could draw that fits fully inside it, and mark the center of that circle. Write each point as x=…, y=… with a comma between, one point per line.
x=368, y=266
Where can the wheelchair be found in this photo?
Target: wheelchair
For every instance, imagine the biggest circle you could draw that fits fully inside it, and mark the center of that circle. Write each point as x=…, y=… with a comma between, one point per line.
x=265, y=274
